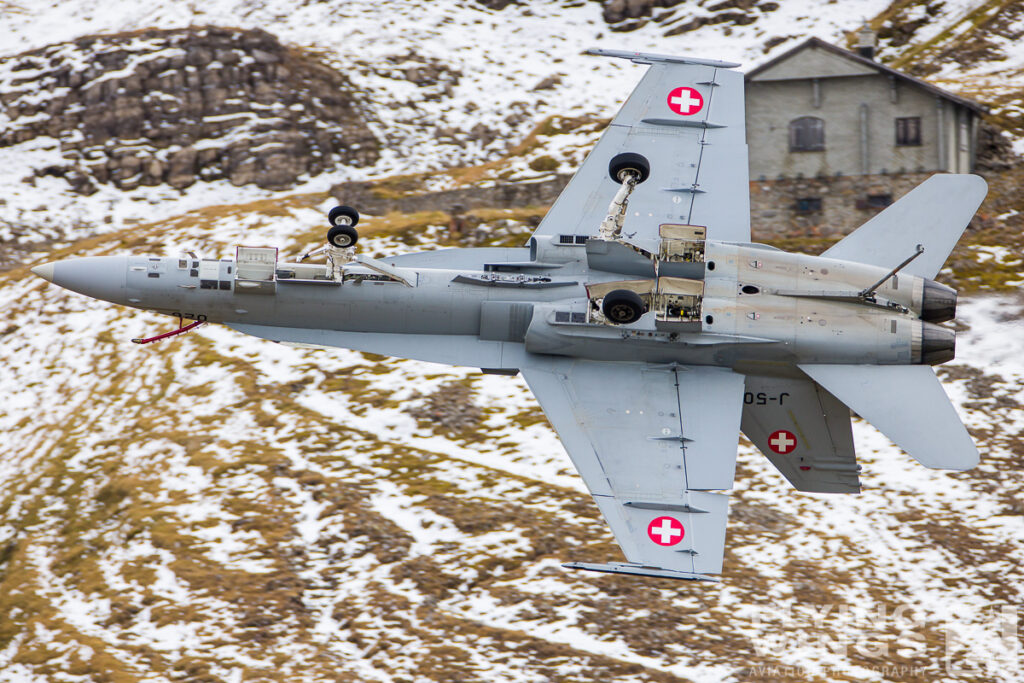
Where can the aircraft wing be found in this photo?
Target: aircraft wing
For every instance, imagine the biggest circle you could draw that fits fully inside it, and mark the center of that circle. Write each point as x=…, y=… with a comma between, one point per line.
x=804, y=431
x=686, y=117
x=651, y=443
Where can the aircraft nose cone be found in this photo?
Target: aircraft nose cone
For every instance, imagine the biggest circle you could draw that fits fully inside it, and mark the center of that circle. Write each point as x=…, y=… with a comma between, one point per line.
x=101, y=277
x=44, y=271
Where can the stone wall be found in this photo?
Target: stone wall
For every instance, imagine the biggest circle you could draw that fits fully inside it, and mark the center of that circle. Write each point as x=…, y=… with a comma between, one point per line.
x=178, y=106
x=846, y=203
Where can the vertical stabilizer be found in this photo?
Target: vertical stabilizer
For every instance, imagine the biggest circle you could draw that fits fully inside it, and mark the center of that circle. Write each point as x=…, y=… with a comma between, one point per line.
x=934, y=214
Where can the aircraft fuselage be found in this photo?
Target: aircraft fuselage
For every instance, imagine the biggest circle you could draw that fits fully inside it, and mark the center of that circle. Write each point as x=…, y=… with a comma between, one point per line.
x=755, y=305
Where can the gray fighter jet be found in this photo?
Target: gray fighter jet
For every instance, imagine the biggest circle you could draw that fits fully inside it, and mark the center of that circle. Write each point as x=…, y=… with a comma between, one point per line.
x=652, y=331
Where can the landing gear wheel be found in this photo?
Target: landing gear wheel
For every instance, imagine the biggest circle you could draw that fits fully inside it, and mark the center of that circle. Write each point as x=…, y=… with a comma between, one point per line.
x=342, y=236
x=622, y=306
x=338, y=215
x=629, y=162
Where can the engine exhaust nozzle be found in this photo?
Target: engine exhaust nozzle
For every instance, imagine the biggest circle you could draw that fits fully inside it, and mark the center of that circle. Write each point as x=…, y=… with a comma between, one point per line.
x=938, y=303
x=938, y=344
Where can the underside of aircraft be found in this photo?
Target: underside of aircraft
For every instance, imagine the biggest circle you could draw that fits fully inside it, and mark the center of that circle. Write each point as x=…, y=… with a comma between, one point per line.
x=649, y=327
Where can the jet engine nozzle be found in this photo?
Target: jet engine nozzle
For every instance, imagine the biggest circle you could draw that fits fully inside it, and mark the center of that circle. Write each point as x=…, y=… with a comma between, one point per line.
x=938, y=303
x=938, y=344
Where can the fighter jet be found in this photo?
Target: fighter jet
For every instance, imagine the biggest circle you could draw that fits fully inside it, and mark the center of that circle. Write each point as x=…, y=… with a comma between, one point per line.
x=649, y=327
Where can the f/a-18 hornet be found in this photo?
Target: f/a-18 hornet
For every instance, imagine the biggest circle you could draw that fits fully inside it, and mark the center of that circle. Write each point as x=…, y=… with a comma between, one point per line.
x=652, y=330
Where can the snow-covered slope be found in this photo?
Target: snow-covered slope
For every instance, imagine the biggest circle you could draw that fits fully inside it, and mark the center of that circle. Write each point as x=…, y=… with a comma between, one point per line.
x=454, y=83
x=222, y=508
x=225, y=507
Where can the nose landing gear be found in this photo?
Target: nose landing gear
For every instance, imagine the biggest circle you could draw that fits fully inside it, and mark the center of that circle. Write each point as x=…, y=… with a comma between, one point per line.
x=341, y=237
x=343, y=220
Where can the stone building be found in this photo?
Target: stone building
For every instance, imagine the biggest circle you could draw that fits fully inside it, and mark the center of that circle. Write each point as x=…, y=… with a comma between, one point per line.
x=834, y=137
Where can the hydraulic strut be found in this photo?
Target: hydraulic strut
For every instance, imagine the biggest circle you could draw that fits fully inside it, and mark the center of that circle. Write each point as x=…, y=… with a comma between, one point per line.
x=611, y=226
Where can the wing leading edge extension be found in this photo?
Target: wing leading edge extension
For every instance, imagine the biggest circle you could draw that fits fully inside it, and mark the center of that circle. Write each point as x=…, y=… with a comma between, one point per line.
x=651, y=443
x=698, y=161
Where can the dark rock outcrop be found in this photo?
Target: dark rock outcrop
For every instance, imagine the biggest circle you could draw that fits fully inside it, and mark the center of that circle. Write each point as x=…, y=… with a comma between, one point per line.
x=623, y=14
x=676, y=16
x=179, y=106
x=995, y=149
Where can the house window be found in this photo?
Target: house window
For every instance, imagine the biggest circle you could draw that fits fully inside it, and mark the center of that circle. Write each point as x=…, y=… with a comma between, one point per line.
x=874, y=201
x=806, y=134
x=808, y=204
x=908, y=130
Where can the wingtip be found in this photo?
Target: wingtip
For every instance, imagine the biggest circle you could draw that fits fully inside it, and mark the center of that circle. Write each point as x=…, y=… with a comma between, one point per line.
x=651, y=58
x=969, y=461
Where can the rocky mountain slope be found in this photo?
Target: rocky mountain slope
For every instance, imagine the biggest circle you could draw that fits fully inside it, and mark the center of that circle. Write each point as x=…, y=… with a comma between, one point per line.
x=219, y=508
x=427, y=86
x=172, y=107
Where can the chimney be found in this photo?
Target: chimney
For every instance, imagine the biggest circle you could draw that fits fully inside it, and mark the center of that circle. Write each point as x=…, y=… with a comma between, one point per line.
x=866, y=42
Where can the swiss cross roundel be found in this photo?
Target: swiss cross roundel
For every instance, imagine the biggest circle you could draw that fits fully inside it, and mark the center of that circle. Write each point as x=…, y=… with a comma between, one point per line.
x=782, y=442
x=666, y=530
x=685, y=101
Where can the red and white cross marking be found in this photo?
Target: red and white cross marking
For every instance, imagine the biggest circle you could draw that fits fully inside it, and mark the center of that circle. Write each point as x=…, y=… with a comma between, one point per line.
x=782, y=442
x=685, y=101
x=666, y=530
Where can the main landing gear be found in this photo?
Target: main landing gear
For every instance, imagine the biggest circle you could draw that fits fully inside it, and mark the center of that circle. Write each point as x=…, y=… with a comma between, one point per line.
x=629, y=170
x=623, y=307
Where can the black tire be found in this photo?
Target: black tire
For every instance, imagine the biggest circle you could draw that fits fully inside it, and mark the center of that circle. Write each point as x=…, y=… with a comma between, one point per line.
x=622, y=306
x=342, y=236
x=629, y=161
x=346, y=211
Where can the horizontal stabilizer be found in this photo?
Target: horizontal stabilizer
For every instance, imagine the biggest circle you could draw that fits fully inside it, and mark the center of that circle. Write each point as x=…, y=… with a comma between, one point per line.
x=934, y=214
x=907, y=404
x=804, y=431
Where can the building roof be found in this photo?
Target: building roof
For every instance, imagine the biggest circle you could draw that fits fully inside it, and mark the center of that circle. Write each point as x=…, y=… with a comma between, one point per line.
x=865, y=62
